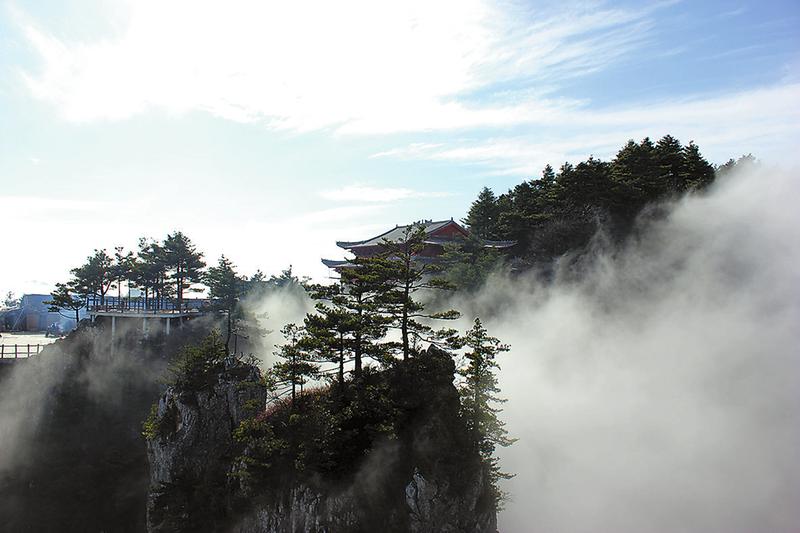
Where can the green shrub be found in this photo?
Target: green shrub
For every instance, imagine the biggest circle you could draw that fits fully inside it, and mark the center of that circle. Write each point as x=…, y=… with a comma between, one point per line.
x=196, y=367
x=156, y=426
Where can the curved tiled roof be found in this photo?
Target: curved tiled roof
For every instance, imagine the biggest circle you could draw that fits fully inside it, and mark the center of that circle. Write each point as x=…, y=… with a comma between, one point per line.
x=395, y=234
x=398, y=233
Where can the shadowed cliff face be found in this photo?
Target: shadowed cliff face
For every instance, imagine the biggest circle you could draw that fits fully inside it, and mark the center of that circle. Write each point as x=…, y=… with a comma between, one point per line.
x=409, y=467
x=192, y=449
x=73, y=458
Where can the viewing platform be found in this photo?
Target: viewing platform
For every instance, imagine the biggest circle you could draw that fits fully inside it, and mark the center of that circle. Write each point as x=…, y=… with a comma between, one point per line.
x=155, y=314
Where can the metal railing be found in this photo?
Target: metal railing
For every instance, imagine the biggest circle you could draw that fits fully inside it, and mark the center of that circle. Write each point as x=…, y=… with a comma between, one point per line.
x=142, y=306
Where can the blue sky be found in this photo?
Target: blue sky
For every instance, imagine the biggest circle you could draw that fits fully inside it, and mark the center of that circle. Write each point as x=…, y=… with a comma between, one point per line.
x=268, y=130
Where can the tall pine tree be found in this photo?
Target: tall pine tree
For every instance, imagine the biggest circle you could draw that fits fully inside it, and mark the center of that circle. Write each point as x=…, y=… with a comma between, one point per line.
x=483, y=216
x=479, y=400
x=226, y=288
x=403, y=277
x=185, y=264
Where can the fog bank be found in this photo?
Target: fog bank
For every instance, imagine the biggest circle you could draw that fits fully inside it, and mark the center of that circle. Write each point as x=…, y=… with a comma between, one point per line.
x=659, y=390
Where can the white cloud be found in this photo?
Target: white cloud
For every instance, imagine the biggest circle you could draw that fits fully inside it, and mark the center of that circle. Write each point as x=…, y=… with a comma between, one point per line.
x=22, y=205
x=362, y=68
x=357, y=66
x=407, y=151
x=375, y=194
x=763, y=121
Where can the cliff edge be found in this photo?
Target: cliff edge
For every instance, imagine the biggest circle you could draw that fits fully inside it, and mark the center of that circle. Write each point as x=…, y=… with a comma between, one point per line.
x=388, y=453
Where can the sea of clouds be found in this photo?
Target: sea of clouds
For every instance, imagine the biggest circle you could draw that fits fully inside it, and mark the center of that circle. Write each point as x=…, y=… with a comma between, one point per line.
x=657, y=390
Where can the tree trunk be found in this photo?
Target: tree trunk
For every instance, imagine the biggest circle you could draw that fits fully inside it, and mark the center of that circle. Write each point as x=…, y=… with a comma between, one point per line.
x=180, y=296
x=357, y=353
x=294, y=378
x=228, y=337
x=341, y=365
x=404, y=324
x=357, y=349
x=179, y=287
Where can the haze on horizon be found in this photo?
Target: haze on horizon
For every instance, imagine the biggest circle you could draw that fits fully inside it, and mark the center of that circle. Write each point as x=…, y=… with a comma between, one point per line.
x=267, y=131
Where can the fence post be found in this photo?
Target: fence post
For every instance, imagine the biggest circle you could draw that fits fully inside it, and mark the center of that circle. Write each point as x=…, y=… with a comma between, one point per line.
x=29, y=351
x=2, y=349
x=15, y=351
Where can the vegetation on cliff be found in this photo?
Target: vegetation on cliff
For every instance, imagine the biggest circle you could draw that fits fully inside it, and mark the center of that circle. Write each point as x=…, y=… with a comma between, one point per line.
x=559, y=212
x=81, y=462
x=325, y=436
x=355, y=394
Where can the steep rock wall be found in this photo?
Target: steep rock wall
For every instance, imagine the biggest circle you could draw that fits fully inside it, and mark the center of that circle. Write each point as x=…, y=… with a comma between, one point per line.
x=426, y=479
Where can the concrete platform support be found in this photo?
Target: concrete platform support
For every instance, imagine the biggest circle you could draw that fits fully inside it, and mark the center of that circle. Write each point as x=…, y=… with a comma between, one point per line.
x=147, y=320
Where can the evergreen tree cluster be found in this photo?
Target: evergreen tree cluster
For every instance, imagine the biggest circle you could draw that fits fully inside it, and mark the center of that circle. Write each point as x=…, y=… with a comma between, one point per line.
x=380, y=311
x=160, y=270
x=562, y=210
x=375, y=312
x=164, y=272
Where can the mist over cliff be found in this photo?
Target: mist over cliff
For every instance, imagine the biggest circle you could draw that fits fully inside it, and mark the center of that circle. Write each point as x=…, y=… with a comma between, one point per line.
x=655, y=387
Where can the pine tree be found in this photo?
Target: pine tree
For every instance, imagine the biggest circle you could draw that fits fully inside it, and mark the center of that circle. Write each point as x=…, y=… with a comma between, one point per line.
x=585, y=185
x=483, y=216
x=122, y=269
x=226, y=288
x=329, y=334
x=632, y=173
x=184, y=262
x=358, y=296
x=296, y=366
x=548, y=175
x=67, y=296
x=150, y=272
x=671, y=166
x=698, y=173
x=479, y=397
x=467, y=265
x=95, y=277
x=401, y=277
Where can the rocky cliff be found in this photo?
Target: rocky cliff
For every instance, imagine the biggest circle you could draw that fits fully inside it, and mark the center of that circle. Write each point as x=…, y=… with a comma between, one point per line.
x=406, y=466
x=192, y=448
x=72, y=455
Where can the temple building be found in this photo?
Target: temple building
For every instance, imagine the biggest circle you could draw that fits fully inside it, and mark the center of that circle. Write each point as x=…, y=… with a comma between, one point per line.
x=437, y=235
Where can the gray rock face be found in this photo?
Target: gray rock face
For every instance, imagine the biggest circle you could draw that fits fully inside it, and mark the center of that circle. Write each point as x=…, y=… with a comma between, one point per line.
x=428, y=507
x=431, y=508
x=302, y=510
x=189, y=458
x=426, y=480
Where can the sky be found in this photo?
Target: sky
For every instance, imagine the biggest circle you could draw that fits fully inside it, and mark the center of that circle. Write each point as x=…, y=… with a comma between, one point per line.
x=269, y=130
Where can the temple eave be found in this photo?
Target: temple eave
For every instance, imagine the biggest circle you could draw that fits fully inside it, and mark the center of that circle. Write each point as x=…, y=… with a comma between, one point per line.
x=498, y=244
x=334, y=263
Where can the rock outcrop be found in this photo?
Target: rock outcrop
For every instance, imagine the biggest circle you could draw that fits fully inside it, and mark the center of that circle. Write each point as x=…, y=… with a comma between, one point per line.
x=193, y=448
x=426, y=478
x=72, y=455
